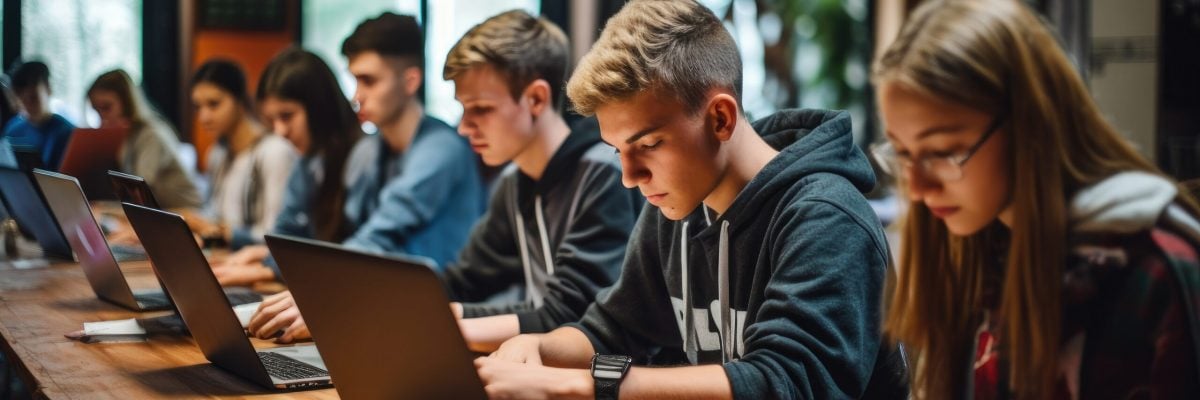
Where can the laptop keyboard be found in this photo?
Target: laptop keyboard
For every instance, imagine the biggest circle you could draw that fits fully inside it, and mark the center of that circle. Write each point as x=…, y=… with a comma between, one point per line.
x=156, y=300
x=127, y=253
x=238, y=297
x=287, y=368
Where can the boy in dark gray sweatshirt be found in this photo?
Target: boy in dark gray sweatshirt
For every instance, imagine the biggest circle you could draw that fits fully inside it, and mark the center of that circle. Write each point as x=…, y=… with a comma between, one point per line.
x=758, y=273
x=559, y=219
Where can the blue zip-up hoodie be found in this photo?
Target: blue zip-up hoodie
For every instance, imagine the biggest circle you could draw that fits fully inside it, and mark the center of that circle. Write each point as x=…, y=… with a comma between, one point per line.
x=421, y=202
x=785, y=289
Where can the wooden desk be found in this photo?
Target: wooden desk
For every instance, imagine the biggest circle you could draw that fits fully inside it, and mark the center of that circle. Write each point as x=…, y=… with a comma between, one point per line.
x=38, y=306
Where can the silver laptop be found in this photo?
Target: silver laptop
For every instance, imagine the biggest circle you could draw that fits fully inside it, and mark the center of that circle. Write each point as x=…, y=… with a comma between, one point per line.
x=358, y=307
x=74, y=215
x=208, y=314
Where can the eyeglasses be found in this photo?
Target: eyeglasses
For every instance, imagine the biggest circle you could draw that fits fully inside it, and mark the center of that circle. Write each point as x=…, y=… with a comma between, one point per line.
x=944, y=168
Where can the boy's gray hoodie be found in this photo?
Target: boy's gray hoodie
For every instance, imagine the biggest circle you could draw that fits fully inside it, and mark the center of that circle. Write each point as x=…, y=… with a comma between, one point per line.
x=785, y=289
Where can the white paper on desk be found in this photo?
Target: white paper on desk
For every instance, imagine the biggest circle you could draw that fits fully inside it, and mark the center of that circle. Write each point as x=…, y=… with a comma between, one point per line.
x=29, y=263
x=122, y=330
x=117, y=327
x=245, y=311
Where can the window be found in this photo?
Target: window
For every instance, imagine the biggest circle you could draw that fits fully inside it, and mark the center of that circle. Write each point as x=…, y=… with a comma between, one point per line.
x=80, y=40
x=451, y=19
x=802, y=53
x=328, y=22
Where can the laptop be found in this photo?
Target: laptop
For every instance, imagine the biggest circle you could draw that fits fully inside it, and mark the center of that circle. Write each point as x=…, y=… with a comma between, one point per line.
x=7, y=157
x=28, y=160
x=209, y=315
x=89, y=154
x=383, y=323
x=27, y=204
x=74, y=215
x=132, y=189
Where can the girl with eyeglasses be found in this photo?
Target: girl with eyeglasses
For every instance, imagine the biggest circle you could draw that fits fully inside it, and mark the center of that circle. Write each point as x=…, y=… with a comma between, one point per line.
x=1041, y=256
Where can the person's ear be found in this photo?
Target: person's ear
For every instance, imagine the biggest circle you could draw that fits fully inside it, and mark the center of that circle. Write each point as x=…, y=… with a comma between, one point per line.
x=722, y=116
x=412, y=80
x=538, y=95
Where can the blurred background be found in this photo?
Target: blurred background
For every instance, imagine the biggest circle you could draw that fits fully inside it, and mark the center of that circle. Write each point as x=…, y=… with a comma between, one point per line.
x=1140, y=57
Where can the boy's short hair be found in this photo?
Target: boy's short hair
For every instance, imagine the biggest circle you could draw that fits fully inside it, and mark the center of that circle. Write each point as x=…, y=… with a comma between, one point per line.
x=389, y=34
x=521, y=47
x=677, y=48
x=28, y=74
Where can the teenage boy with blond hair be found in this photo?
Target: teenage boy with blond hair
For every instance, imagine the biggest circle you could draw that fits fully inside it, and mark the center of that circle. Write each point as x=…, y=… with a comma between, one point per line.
x=758, y=273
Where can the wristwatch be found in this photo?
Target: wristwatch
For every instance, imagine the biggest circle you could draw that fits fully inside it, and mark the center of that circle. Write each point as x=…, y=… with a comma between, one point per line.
x=608, y=371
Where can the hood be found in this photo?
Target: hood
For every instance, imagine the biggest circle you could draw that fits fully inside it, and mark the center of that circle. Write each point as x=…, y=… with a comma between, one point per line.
x=809, y=142
x=1124, y=203
x=584, y=134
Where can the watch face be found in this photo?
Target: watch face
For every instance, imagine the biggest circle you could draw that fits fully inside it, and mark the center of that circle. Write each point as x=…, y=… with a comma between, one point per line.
x=606, y=366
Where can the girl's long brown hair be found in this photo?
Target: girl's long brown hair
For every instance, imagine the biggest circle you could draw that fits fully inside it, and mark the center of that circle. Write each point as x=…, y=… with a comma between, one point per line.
x=301, y=76
x=996, y=56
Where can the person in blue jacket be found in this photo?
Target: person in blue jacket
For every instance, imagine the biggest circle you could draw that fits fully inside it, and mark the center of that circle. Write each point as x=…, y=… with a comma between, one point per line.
x=418, y=189
x=38, y=130
x=758, y=272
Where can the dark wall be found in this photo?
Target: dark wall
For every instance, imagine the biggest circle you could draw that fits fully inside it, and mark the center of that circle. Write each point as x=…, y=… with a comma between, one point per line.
x=161, y=59
x=1179, y=89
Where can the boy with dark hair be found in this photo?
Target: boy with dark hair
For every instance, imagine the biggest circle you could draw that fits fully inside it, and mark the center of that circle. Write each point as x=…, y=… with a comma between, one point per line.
x=758, y=273
x=38, y=130
x=418, y=189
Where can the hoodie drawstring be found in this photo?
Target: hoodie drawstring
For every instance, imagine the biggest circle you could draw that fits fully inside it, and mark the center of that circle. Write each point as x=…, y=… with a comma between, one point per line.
x=531, y=294
x=689, y=339
x=723, y=294
x=523, y=244
x=726, y=325
x=543, y=234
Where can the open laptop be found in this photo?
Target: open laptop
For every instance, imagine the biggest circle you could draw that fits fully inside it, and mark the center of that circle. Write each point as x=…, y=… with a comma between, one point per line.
x=74, y=215
x=90, y=153
x=209, y=315
x=383, y=323
x=27, y=204
x=132, y=189
x=7, y=157
x=28, y=160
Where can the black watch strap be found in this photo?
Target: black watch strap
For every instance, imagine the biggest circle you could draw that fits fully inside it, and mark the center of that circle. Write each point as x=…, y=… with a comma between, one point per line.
x=607, y=389
x=607, y=372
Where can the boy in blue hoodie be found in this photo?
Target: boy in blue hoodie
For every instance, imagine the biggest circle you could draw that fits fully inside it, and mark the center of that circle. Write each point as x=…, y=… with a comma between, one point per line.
x=758, y=273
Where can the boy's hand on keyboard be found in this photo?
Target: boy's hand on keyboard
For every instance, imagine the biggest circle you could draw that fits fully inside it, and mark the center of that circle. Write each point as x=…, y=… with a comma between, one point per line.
x=279, y=312
x=242, y=275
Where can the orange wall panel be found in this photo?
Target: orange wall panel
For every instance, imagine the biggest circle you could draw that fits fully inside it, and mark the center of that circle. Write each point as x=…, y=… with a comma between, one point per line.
x=253, y=50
